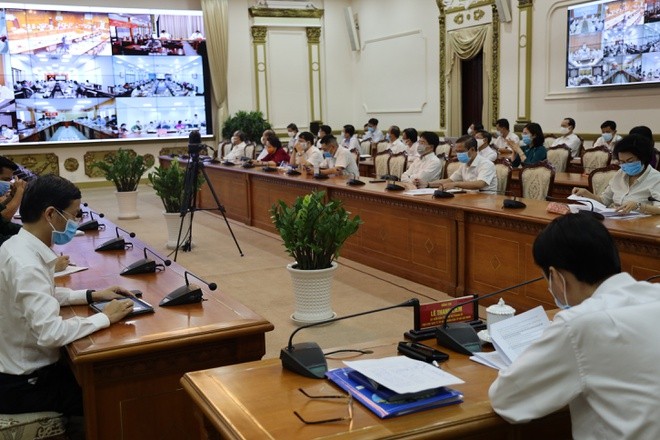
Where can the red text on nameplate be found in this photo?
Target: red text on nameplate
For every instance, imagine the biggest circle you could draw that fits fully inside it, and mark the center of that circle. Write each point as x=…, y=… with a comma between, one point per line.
x=433, y=314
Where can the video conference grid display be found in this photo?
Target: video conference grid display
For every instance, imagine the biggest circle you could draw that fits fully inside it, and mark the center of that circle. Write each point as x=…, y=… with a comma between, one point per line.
x=77, y=74
x=613, y=43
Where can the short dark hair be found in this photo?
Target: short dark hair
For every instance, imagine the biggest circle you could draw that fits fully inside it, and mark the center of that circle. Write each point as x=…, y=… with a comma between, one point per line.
x=609, y=124
x=292, y=126
x=7, y=163
x=274, y=141
x=502, y=123
x=486, y=134
x=326, y=129
x=537, y=134
x=431, y=138
x=571, y=122
x=411, y=134
x=329, y=140
x=241, y=135
x=314, y=126
x=468, y=142
x=579, y=244
x=307, y=136
x=373, y=121
x=642, y=130
x=637, y=145
x=395, y=130
x=348, y=128
x=477, y=126
x=45, y=191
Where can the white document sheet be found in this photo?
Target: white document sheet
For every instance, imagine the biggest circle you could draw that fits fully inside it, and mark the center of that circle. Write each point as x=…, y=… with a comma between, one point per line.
x=490, y=359
x=513, y=335
x=69, y=270
x=419, y=192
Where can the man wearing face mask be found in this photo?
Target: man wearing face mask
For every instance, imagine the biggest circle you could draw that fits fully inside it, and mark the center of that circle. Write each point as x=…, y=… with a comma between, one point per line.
x=568, y=138
x=372, y=133
x=349, y=139
x=483, y=139
x=427, y=166
x=409, y=138
x=396, y=144
x=343, y=159
x=609, y=137
x=31, y=376
x=475, y=171
x=10, y=193
x=238, y=146
x=600, y=354
x=292, y=131
x=306, y=154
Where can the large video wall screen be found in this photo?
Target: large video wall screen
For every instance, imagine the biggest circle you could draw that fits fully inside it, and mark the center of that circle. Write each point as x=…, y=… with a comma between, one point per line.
x=78, y=74
x=612, y=43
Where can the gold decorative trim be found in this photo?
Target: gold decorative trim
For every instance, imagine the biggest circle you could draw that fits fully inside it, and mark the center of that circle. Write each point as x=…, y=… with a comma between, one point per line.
x=313, y=35
x=98, y=156
x=259, y=34
x=38, y=163
x=458, y=18
x=71, y=164
x=442, y=25
x=149, y=160
x=173, y=151
x=525, y=3
x=479, y=14
x=495, y=103
x=285, y=13
x=527, y=45
x=471, y=6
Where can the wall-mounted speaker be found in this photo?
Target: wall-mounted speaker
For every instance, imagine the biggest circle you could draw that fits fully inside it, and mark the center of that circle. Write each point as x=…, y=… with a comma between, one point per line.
x=352, y=28
x=504, y=10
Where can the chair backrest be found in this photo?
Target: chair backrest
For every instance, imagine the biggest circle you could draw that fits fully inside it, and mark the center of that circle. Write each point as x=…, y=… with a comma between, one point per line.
x=443, y=148
x=503, y=170
x=249, y=151
x=397, y=164
x=594, y=158
x=443, y=165
x=536, y=180
x=224, y=148
x=380, y=163
x=600, y=178
x=382, y=146
x=657, y=158
x=356, y=156
x=452, y=165
x=548, y=140
x=558, y=157
x=365, y=147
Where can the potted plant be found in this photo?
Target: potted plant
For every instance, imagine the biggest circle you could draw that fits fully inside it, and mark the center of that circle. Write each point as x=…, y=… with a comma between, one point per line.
x=313, y=232
x=251, y=123
x=124, y=169
x=169, y=184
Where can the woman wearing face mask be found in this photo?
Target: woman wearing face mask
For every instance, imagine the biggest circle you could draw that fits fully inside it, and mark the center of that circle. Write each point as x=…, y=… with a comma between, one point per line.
x=276, y=154
x=636, y=181
x=531, y=150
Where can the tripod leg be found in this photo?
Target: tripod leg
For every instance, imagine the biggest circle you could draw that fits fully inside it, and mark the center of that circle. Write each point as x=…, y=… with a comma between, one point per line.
x=188, y=204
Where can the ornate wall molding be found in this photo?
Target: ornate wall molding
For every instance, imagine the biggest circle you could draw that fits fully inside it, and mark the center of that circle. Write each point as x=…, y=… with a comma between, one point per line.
x=259, y=34
x=524, y=61
x=443, y=92
x=495, y=104
x=38, y=163
x=71, y=164
x=314, y=61
x=285, y=13
x=99, y=156
x=313, y=35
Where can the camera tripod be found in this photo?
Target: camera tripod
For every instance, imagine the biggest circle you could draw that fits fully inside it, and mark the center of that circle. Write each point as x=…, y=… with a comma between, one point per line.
x=189, y=203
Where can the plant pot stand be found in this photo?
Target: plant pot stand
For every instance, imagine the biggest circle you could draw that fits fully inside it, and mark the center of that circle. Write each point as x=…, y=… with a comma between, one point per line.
x=127, y=203
x=312, y=292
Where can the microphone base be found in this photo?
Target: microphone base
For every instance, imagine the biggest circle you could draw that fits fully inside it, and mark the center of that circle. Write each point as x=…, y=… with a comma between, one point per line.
x=513, y=204
x=355, y=182
x=459, y=337
x=440, y=194
x=306, y=359
x=394, y=187
x=91, y=225
x=187, y=294
x=144, y=265
x=116, y=244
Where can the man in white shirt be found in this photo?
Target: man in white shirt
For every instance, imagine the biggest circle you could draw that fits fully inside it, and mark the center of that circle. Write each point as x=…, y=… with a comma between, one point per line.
x=568, y=138
x=600, y=354
x=609, y=137
x=292, y=131
x=396, y=144
x=372, y=133
x=475, y=171
x=409, y=138
x=484, y=139
x=306, y=154
x=31, y=377
x=197, y=35
x=344, y=161
x=505, y=138
x=238, y=148
x=349, y=138
x=427, y=166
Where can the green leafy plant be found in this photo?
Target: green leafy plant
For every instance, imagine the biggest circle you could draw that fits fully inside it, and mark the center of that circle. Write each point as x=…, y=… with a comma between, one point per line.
x=251, y=123
x=169, y=184
x=124, y=169
x=313, y=231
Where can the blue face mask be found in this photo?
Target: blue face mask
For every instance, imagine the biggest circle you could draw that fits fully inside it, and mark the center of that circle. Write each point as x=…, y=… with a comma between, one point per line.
x=4, y=187
x=632, y=168
x=463, y=157
x=63, y=237
x=371, y=129
x=327, y=154
x=527, y=139
x=607, y=137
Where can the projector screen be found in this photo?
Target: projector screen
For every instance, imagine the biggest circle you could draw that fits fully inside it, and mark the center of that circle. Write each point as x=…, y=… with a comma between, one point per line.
x=80, y=74
x=613, y=43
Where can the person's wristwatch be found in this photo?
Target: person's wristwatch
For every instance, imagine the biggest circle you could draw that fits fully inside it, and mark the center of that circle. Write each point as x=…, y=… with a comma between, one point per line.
x=88, y=295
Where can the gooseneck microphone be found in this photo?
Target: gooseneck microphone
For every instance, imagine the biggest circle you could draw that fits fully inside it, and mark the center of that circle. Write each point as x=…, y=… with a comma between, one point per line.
x=460, y=336
x=307, y=358
x=355, y=180
x=440, y=193
x=186, y=294
x=511, y=203
x=145, y=265
x=92, y=224
x=117, y=243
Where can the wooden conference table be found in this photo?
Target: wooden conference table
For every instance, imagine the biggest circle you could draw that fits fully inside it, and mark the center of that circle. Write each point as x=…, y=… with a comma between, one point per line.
x=466, y=244
x=230, y=409
x=130, y=371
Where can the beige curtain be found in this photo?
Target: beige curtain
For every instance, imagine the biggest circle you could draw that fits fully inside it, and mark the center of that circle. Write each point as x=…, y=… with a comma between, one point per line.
x=464, y=44
x=216, y=23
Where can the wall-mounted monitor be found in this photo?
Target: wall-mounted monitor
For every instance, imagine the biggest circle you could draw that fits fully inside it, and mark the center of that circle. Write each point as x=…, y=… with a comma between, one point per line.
x=79, y=74
x=613, y=43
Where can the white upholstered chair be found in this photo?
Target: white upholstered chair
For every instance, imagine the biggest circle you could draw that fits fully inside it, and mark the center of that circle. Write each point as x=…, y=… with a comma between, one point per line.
x=558, y=157
x=443, y=148
x=224, y=148
x=600, y=178
x=249, y=151
x=536, y=180
x=382, y=146
x=365, y=147
x=452, y=165
x=380, y=163
x=503, y=170
x=32, y=426
x=397, y=164
x=594, y=158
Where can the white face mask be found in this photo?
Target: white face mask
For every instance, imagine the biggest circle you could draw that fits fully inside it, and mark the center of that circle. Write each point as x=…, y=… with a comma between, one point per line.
x=421, y=148
x=291, y=134
x=563, y=130
x=481, y=142
x=498, y=133
x=470, y=131
x=558, y=302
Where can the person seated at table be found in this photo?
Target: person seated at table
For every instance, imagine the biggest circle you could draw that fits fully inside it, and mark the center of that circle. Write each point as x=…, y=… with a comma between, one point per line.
x=409, y=138
x=306, y=154
x=568, y=138
x=599, y=355
x=474, y=128
x=531, y=149
x=32, y=377
x=342, y=161
x=11, y=188
x=608, y=138
x=636, y=181
x=197, y=35
x=486, y=150
x=371, y=131
x=264, y=152
x=238, y=146
x=180, y=125
x=324, y=130
x=349, y=138
x=426, y=168
x=396, y=144
x=276, y=153
x=164, y=35
x=292, y=131
x=137, y=127
x=648, y=134
x=475, y=171
x=505, y=138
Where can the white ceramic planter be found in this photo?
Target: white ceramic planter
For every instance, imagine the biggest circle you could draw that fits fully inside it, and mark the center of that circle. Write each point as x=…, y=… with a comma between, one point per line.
x=127, y=202
x=312, y=292
x=173, y=222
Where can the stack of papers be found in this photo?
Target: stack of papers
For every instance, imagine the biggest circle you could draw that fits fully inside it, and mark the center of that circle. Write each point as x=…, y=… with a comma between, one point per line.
x=69, y=270
x=587, y=204
x=512, y=336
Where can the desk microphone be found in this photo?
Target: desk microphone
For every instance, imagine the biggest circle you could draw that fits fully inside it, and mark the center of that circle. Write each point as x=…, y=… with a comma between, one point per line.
x=440, y=193
x=307, y=358
x=653, y=199
x=511, y=203
x=355, y=180
x=145, y=265
x=597, y=215
x=391, y=186
x=186, y=294
x=92, y=224
x=460, y=336
x=389, y=177
x=117, y=243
